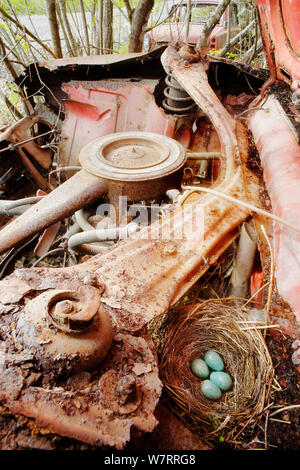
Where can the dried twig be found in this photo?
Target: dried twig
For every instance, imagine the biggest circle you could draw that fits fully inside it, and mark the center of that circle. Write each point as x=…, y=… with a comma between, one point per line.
x=290, y=407
x=272, y=268
x=23, y=28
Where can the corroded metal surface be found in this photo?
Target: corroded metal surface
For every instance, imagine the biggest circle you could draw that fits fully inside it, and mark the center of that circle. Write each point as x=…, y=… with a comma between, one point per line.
x=63, y=340
x=138, y=165
x=82, y=406
x=143, y=179
x=102, y=107
x=142, y=277
x=78, y=191
x=146, y=274
x=132, y=156
x=74, y=311
x=20, y=139
x=53, y=64
x=280, y=30
x=20, y=132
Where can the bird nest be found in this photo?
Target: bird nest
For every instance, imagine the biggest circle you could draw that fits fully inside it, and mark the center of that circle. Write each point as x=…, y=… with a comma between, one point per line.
x=225, y=328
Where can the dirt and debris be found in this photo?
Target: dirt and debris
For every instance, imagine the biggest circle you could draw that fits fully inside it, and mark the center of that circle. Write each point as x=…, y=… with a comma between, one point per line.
x=280, y=435
x=111, y=392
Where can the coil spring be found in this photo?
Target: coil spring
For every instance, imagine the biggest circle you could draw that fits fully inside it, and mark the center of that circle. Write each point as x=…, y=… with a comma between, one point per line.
x=177, y=99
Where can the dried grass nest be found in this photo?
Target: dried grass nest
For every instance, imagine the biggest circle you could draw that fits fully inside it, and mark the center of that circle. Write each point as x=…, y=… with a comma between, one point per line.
x=219, y=326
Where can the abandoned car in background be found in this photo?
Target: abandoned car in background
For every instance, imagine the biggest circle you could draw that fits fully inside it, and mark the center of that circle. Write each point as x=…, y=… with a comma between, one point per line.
x=175, y=27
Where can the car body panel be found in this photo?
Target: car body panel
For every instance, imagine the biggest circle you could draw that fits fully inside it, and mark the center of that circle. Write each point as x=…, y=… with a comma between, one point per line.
x=176, y=30
x=280, y=31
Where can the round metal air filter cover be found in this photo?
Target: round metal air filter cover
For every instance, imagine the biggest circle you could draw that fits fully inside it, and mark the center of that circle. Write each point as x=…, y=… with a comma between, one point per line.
x=132, y=156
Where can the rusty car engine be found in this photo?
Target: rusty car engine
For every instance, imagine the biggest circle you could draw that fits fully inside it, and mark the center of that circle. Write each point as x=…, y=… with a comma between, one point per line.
x=75, y=353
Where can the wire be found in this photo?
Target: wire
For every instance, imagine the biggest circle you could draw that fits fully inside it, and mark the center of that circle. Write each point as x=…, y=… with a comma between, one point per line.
x=49, y=253
x=12, y=254
x=192, y=189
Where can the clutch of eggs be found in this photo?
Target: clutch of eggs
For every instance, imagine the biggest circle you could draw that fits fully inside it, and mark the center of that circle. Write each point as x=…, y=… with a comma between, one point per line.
x=218, y=380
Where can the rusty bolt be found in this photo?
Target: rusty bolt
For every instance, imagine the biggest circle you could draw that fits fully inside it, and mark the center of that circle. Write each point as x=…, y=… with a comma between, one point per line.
x=72, y=311
x=126, y=389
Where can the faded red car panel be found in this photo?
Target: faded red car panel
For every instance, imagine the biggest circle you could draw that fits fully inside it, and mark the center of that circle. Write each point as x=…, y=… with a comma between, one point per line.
x=280, y=158
x=105, y=107
x=277, y=138
x=175, y=27
x=280, y=21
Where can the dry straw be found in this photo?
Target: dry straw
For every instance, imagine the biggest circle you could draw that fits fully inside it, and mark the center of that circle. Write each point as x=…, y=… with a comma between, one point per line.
x=214, y=324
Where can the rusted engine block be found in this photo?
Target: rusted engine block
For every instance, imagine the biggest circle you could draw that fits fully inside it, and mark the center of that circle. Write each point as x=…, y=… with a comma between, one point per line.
x=42, y=343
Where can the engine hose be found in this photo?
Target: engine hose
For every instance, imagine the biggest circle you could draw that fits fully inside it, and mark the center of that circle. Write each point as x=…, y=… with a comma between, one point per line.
x=101, y=235
x=74, y=228
x=82, y=222
x=6, y=206
x=15, y=210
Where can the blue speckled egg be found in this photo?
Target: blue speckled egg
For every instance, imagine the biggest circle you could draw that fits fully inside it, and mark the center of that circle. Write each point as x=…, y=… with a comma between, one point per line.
x=222, y=380
x=210, y=390
x=214, y=360
x=199, y=368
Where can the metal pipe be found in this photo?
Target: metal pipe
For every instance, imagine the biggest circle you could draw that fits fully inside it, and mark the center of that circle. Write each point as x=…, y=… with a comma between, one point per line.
x=71, y=231
x=15, y=145
x=16, y=210
x=81, y=189
x=63, y=168
x=82, y=222
x=102, y=235
x=94, y=249
x=7, y=205
x=243, y=264
x=173, y=194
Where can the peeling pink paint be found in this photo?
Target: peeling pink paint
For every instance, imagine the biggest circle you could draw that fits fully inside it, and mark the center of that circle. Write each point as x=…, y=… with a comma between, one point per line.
x=95, y=109
x=280, y=158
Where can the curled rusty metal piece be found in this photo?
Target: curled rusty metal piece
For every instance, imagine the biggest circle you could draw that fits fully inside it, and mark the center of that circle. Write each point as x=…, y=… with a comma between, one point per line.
x=72, y=311
x=63, y=343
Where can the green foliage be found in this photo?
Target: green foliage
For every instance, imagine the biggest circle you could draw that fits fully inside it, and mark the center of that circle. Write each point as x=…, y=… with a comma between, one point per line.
x=35, y=8
x=214, y=52
x=3, y=26
x=12, y=93
x=229, y=55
